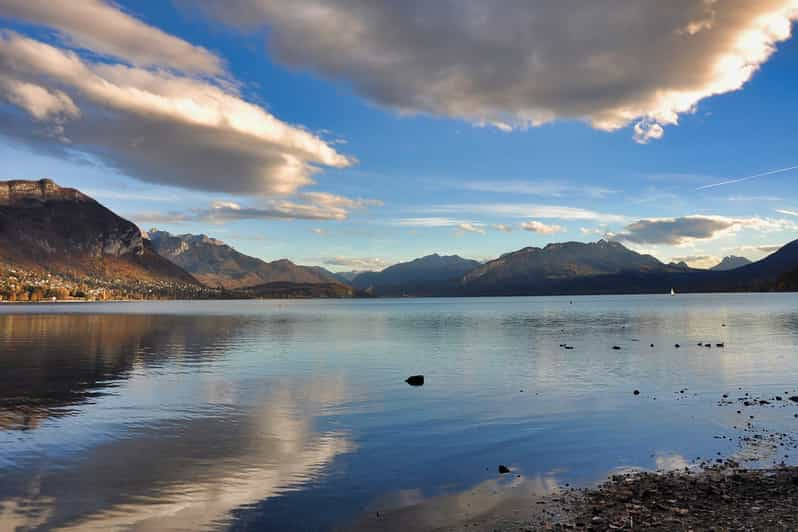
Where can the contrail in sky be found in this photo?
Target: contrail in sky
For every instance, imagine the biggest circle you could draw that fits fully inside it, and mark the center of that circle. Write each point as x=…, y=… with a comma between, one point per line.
x=741, y=179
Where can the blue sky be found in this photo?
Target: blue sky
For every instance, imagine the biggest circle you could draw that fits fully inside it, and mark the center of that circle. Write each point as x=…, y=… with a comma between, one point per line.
x=410, y=163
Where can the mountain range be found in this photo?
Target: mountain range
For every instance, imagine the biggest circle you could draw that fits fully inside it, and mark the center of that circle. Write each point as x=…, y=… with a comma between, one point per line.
x=214, y=263
x=50, y=230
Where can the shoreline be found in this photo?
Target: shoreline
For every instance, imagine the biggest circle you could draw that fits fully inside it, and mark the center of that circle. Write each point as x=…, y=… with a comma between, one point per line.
x=752, y=487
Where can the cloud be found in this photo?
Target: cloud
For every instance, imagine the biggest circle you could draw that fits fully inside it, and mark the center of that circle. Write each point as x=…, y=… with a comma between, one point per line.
x=504, y=228
x=156, y=125
x=432, y=221
x=305, y=206
x=539, y=227
x=702, y=262
x=589, y=231
x=519, y=63
x=319, y=231
x=686, y=229
x=357, y=263
x=787, y=212
x=99, y=26
x=527, y=210
x=471, y=228
x=155, y=217
x=647, y=130
x=764, y=248
x=538, y=188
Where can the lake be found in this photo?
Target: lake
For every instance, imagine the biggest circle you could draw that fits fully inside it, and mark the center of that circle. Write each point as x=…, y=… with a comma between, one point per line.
x=295, y=415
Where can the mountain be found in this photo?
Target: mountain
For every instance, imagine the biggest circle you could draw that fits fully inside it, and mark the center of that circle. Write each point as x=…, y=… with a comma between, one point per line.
x=787, y=282
x=730, y=263
x=531, y=270
x=764, y=274
x=610, y=268
x=348, y=277
x=215, y=263
x=428, y=275
x=46, y=229
x=283, y=290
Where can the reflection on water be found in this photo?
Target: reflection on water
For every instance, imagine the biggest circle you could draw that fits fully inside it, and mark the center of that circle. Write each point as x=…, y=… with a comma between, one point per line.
x=295, y=415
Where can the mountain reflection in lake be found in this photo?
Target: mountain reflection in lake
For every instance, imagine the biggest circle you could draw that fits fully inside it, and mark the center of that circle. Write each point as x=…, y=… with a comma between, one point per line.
x=295, y=415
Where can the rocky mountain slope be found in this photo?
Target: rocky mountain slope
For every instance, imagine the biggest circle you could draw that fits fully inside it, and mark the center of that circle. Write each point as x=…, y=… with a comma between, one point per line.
x=47, y=229
x=730, y=263
x=215, y=263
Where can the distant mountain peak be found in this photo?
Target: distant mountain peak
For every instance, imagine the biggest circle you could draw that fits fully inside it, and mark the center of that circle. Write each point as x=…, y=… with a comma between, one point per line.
x=731, y=262
x=216, y=263
x=421, y=272
x=532, y=266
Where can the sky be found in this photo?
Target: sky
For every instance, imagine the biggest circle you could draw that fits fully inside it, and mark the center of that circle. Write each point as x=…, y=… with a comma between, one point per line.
x=354, y=134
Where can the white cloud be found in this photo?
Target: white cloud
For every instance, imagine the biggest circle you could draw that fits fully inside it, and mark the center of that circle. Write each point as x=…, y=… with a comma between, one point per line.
x=319, y=231
x=534, y=226
x=99, y=26
x=40, y=102
x=518, y=63
x=527, y=210
x=471, y=228
x=504, y=228
x=592, y=231
x=431, y=221
x=647, y=130
x=306, y=206
x=702, y=262
x=688, y=229
x=357, y=263
x=787, y=212
x=538, y=188
x=156, y=125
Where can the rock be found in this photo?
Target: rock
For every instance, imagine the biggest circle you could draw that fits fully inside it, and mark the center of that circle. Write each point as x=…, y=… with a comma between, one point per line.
x=503, y=469
x=636, y=392
x=794, y=398
x=677, y=346
x=616, y=347
x=652, y=345
x=415, y=380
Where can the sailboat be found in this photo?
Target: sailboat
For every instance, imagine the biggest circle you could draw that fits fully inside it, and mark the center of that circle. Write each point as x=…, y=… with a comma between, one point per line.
x=673, y=292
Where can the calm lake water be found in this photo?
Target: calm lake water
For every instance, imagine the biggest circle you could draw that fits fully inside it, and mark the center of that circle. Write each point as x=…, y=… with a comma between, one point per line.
x=294, y=415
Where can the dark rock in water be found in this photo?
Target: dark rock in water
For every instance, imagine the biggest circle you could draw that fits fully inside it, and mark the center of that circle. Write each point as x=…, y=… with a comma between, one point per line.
x=652, y=345
x=616, y=347
x=721, y=344
x=677, y=346
x=636, y=392
x=708, y=345
x=503, y=469
x=415, y=380
x=794, y=398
